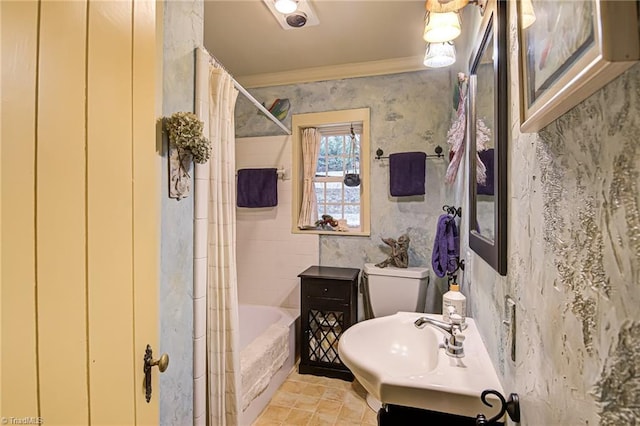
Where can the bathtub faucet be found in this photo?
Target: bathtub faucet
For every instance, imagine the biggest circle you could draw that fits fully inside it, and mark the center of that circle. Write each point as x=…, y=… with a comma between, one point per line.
x=453, y=333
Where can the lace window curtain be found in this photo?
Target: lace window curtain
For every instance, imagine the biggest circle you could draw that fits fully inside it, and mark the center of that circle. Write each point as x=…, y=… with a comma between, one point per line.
x=310, y=150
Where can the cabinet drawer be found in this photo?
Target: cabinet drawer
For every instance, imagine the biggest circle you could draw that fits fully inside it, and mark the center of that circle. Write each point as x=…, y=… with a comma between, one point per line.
x=325, y=290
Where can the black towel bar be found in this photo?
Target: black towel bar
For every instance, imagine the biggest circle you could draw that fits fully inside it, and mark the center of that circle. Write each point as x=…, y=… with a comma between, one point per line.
x=438, y=153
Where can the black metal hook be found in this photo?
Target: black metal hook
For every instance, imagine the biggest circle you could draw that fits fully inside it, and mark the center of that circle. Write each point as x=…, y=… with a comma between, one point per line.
x=453, y=210
x=452, y=277
x=510, y=406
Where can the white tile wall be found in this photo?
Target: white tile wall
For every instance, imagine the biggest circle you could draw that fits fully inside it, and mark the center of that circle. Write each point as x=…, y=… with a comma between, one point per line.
x=200, y=276
x=200, y=239
x=200, y=398
x=201, y=197
x=200, y=420
x=199, y=311
x=269, y=256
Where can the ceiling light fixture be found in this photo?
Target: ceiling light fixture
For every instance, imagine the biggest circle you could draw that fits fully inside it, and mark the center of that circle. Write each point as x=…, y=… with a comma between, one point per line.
x=286, y=6
x=440, y=55
x=303, y=17
x=296, y=20
x=442, y=24
x=444, y=6
x=441, y=27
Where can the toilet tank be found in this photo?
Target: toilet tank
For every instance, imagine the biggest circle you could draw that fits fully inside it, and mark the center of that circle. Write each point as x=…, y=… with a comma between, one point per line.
x=394, y=289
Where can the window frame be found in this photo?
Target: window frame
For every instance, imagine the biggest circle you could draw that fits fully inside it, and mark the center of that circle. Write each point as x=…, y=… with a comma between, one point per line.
x=299, y=122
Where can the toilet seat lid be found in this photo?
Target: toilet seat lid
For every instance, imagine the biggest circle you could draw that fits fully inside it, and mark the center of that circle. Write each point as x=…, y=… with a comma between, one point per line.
x=392, y=271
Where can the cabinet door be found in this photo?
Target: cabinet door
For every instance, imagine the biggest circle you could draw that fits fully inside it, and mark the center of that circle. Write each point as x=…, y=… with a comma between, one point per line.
x=323, y=325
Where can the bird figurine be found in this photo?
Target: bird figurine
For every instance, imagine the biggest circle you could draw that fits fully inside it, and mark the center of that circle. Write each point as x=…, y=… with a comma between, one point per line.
x=279, y=109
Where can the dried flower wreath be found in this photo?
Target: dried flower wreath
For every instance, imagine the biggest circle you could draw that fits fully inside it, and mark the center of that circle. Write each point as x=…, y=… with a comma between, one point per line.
x=185, y=133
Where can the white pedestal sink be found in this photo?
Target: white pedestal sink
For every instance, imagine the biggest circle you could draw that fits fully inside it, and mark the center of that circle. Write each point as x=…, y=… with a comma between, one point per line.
x=397, y=363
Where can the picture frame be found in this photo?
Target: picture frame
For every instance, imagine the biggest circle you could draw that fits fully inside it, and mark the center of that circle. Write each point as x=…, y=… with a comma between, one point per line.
x=570, y=51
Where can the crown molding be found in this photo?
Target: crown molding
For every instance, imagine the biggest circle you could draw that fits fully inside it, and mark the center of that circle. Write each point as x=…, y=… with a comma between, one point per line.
x=334, y=72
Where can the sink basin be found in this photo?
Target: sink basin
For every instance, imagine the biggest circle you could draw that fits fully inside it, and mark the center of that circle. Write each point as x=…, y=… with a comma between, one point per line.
x=398, y=363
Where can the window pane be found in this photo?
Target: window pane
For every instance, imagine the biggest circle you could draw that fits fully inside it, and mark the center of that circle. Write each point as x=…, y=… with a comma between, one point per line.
x=334, y=192
x=335, y=210
x=353, y=221
x=335, y=166
x=352, y=214
x=321, y=210
x=335, y=145
x=323, y=147
x=352, y=194
x=349, y=165
x=352, y=209
x=319, y=191
x=321, y=167
x=334, y=156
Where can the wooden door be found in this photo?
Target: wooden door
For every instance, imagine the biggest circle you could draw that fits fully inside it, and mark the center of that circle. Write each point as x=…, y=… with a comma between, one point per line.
x=80, y=210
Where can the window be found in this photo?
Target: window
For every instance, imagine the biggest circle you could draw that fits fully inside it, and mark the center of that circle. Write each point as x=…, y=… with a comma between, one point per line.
x=340, y=152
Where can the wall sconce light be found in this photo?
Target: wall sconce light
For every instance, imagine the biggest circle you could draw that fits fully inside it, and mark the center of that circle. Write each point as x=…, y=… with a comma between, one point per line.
x=440, y=55
x=441, y=27
x=528, y=15
x=286, y=6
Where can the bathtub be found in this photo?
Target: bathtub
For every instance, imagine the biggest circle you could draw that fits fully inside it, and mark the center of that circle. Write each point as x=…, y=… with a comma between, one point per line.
x=254, y=321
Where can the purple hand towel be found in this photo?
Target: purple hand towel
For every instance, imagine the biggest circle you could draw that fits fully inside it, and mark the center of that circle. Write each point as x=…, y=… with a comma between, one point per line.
x=446, y=246
x=486, y=157
x=406, y=173
x=257, y=188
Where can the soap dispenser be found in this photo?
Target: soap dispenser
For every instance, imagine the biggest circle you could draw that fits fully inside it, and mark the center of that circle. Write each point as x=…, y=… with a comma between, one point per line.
x=453, y=298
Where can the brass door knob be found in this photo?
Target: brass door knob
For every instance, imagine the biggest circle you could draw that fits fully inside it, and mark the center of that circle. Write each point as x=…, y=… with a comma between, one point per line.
x=149, y=362
x=162, y=363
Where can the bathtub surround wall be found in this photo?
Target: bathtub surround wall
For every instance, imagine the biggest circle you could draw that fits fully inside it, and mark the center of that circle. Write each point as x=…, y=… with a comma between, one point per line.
x=269, y=256
x=183, y=31
x=409, y=112
x=574, y=261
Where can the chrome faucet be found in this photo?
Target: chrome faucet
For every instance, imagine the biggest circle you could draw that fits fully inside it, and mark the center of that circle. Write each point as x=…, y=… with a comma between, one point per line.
x=453, y=333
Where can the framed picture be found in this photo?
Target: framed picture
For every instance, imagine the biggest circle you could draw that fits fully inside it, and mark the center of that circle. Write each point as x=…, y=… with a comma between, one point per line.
x=570, y=49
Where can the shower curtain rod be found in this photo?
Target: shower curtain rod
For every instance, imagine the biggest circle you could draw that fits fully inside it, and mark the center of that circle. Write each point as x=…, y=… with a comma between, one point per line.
x=247, y=94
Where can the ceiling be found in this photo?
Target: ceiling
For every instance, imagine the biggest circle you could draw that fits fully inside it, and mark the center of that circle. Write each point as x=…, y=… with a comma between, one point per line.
x=354, y=37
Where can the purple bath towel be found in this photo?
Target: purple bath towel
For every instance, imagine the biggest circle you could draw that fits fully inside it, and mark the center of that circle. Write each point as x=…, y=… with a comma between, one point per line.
x=487, y=159
x=257, y=188
x=407, y=173
x=446, y=247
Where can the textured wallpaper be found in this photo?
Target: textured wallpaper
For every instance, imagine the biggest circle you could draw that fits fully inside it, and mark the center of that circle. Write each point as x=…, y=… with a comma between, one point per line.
x=574, y=261
x=183, y=29
x=409, y=112
x=573, y=233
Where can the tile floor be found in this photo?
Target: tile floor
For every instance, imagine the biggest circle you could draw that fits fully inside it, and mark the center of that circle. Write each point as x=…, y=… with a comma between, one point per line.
x=305, y=399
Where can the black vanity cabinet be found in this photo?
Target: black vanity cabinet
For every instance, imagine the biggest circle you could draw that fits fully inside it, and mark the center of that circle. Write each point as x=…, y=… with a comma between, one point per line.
x=328, y=306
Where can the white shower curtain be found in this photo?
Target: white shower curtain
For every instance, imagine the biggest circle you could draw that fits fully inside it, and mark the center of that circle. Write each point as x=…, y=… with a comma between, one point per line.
x=223, y=353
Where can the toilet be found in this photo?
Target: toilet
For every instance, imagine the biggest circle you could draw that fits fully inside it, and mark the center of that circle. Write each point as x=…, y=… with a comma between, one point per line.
x=394, y=289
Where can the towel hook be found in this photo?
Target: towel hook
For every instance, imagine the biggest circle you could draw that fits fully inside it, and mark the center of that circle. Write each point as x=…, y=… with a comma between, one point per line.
x=510, y=406
x=453, y=210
